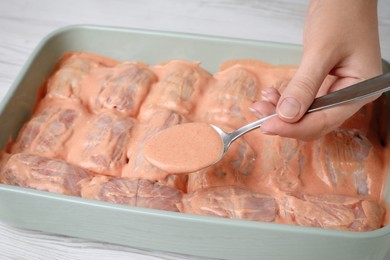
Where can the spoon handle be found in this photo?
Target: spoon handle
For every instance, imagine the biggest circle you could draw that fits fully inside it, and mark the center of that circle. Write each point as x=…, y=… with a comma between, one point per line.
x=364, y=89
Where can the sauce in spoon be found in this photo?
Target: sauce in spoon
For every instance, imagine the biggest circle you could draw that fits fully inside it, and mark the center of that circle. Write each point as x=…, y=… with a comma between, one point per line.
x=184, y=148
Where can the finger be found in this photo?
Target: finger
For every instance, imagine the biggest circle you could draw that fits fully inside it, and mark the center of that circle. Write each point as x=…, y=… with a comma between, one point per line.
x=262, y=108
x=267, y=105
x=302, y=89
x=313, y=125
x=271, y=95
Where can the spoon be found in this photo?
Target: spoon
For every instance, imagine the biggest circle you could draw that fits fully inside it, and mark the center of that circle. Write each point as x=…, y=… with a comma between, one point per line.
x=193, y=146
x=361, y=90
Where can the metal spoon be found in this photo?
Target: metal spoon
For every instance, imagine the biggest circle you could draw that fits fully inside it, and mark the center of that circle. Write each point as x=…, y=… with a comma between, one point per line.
x=354, y=92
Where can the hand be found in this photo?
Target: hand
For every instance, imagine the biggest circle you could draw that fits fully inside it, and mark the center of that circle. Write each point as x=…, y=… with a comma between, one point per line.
x=340, y=39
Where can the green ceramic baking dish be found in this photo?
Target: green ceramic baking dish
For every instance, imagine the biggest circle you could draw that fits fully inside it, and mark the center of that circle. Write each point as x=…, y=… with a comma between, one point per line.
x=155, y=229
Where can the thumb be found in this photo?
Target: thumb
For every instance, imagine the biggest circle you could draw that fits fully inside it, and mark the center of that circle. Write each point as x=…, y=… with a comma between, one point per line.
x=301, y=90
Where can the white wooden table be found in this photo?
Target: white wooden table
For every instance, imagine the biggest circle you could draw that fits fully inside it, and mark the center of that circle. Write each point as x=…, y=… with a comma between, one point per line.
x=23, y=23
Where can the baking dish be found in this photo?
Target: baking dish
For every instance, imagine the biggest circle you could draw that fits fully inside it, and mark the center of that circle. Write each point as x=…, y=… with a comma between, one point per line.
x=154, y=229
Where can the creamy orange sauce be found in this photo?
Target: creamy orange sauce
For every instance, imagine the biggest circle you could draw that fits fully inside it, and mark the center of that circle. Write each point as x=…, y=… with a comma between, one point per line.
x=185, y=148
x=119, y=131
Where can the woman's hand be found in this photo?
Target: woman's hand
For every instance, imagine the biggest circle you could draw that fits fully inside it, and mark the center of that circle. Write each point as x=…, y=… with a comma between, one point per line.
x=340, y=39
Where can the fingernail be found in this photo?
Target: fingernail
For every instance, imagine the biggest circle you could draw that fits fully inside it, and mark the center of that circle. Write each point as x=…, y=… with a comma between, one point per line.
x=263, y=131
x=255, y=113
x=264, y=95
x=289, y=108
